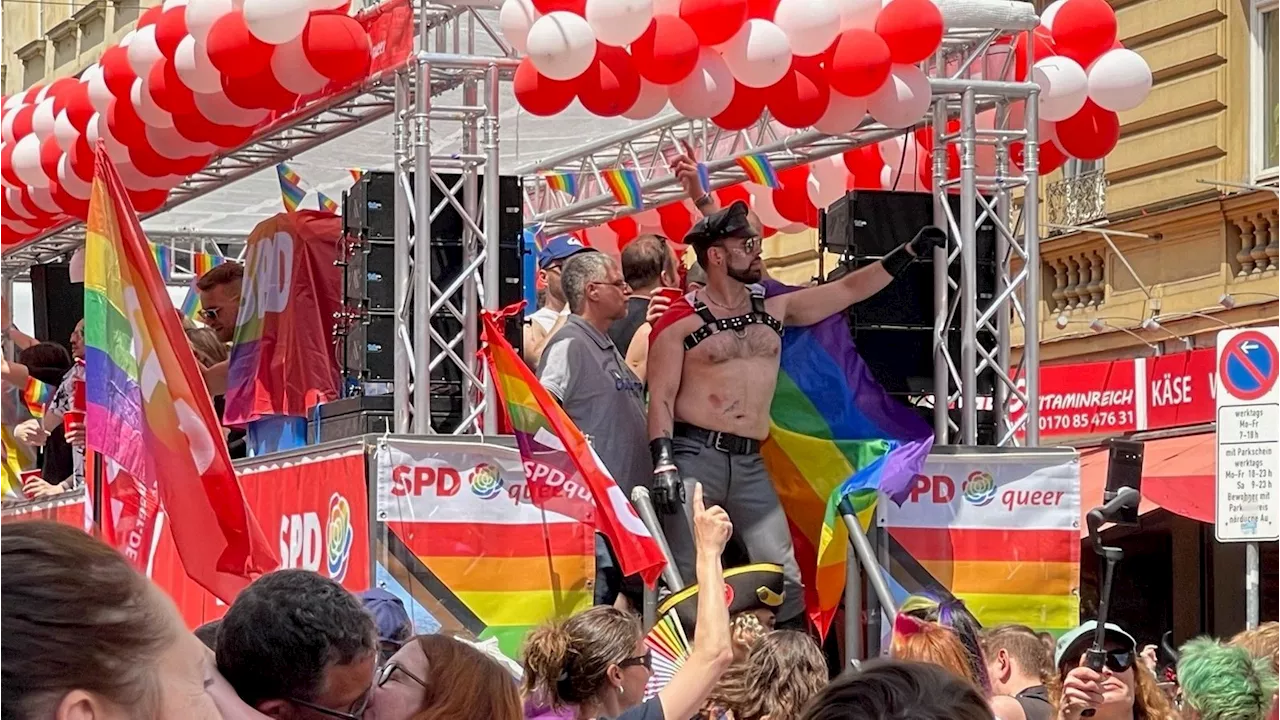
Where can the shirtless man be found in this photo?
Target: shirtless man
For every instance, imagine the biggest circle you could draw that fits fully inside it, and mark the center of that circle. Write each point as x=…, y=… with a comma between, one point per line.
x=712, y=368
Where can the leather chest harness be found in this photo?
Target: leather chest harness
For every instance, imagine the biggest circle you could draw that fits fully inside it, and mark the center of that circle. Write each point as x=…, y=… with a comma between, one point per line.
x=738, y=323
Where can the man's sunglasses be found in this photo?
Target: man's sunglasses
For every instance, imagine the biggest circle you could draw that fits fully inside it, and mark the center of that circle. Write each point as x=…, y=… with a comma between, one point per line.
x=357, y=709
x=749, y=245
x=645, y=661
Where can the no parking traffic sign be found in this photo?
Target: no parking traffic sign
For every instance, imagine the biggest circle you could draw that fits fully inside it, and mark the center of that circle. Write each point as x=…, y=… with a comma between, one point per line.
x=1248, y=504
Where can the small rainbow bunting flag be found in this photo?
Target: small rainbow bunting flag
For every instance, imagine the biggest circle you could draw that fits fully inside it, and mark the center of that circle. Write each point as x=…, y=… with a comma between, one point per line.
x=356, y=174
x=201, y=263
x=564, y=182
x=36, y=395
x=326, y=203
x=291, y=191
x=759, y=170
x=624, y=183
x=163, y=255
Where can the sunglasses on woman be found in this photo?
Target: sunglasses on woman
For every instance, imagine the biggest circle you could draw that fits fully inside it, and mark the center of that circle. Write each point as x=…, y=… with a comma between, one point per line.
x=645, y=661
x=1117, y=661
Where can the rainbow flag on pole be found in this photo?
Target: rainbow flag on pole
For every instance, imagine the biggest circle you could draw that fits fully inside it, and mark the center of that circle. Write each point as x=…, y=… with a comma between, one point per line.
x=759, y=170
x=36, y=396
x=834, y=434
x=326, y=203
x=624, y=183
x=148, y=412
x=564, y=182
x=291, y=191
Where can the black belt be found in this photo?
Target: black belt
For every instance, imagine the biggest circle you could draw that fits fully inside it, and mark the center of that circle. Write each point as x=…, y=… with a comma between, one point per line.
x=724, y=442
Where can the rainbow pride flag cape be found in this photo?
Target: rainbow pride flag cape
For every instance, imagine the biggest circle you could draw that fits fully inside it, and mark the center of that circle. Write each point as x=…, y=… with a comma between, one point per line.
x=36, y=395
x=834, y=434
x=759, y=170
x=291, y=191
x=564, y=182
x=624, y=183
x=326, y=203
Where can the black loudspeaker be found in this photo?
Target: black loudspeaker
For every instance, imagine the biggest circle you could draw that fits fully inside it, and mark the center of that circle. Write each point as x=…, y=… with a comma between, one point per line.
x=893, y=329
x=57, y=304
x=370, y=277
x=1124, y=469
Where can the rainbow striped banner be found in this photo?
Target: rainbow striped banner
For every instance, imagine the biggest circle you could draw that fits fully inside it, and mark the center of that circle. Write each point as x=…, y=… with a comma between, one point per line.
x=326, y=203
x=759, y=170
x=834, y=435
x=566, y=183
x=291, y=192
x=36, y=396
x=201, y=263
x=163, y=255
x=624, y=183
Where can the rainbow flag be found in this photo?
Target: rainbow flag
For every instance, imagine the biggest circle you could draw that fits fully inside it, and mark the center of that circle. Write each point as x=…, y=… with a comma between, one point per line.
x=326, y=203
x=163, y=255
x=36, y=396
x=148, y=412
x=759, y=170
x=834, y=435
x=566, y=183
x=202, y=263
x=15, y=458
x=356, y=174
x=291, y=191
x=624, y=183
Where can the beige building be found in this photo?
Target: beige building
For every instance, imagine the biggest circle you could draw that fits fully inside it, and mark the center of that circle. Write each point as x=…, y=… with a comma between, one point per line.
x=42, y=41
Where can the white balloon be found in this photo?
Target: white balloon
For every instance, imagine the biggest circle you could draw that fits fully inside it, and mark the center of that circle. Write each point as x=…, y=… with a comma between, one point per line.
x=6, y=123
x=191, y=62
x=1046, y=17
x=810, y=25
x=127, y=40
x=707, y=91
x=984, y=155
x=327, y=4
x=169, y=143
x=1046, y=130
x=1119, y=80
x=619, y=22
x=202, y=14
x=666, y=7
x=20, y=227
x=99, y=94
x=899, y=151
x=218, y=109
x=514, y=20
x=793, y=228
x=293, y=71
x=42, y=121
x=145, y=105
x=171, y=4
x=823, y=194
x=561, y=45
x=64, y=132
x=649, y=218
x=116, y=150
x=829, y=170
x=42, y=198
x=26, y=161
x=903, y=99
x=651, y=101
x=132, y=177
x=276, y=21
x=91, y=129
x=843, y=114
x=603, y=239
x=143, y=51
x=13, y=197
x=762, y=204
x=71, y=182
x=858, y=14
x=759, y=54
x=1063, y=87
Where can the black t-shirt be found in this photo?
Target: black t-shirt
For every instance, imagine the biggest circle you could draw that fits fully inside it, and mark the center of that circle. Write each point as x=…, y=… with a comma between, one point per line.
x=1035, y=703
x=621, y=331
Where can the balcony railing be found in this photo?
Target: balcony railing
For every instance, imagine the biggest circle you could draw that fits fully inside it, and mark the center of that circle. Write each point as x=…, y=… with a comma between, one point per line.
x=1077, y=280
x=1254, y=243
x=1077, y=200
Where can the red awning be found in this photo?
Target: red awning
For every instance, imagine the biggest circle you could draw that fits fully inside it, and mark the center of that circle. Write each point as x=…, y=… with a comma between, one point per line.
x=1177, y=475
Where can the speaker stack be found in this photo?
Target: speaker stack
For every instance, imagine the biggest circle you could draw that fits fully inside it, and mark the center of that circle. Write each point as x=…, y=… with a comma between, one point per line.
x=893, y=329
x=57, y=304
x=369, y=324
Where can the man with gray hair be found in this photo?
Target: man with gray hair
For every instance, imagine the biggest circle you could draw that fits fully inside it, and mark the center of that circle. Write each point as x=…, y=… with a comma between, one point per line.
x=586, y=373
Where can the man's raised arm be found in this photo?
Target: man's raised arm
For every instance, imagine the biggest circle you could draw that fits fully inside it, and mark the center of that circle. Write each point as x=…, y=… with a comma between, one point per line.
x=666, y=360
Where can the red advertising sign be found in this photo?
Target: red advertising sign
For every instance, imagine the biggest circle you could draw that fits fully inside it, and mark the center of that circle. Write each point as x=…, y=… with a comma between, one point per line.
x=1180, y=389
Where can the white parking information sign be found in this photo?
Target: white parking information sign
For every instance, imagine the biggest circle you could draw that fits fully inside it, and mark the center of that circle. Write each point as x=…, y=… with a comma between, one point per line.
x=1248, y=402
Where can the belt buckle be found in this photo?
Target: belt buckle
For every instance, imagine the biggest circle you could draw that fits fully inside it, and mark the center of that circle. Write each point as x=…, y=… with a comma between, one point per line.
x=717, y=439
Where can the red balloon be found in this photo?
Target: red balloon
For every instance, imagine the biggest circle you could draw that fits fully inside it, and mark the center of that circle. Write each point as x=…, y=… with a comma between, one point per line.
x=124, y=123
x=911, y=28
x=732, y=194
x=150, y=16
x=1084, y=29
x=233, y=50
x=762, y=9
x=800, y=98
x=611, y=85
x=79, y=108
x=22, y=121
x=796, y=175
x=858, y=63
x=714, y=21
x=675, y=220
x=81, y=159
x=539, y=94
x=170, y=29
x=792, y=203
x=667, y=51
x=337, y=47
x=71, y=205
x=260, y=90
x=577, y=7
x=744, y=109
x=50, y=154
x=194, y=127
x=230, y=136
x=60, y=91
x=1049, y=158
x=149, y=162
x=6, y=166
x=625, y=228
x=1089, y=134
x=167, y=89
x=116, y=72
x=865, y=165
x=1041, y=48
x=144, y=201
x=188, y=166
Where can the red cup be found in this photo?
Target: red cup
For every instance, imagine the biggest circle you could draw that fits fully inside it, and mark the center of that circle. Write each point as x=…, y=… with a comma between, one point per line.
x=671, y=294
x=72, y=419
x=77, y=394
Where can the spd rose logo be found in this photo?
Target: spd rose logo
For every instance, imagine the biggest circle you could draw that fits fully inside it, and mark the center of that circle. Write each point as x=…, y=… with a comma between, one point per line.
x=340, y=536
x=486, y=481
x=979, y=489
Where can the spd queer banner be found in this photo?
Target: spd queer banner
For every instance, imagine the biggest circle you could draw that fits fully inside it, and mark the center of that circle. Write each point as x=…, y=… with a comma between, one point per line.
x=460, y=518
x=999, y=530
x=314, y=506
x=282, y=360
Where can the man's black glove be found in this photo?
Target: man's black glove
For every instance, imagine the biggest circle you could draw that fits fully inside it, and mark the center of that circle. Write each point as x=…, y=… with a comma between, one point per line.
x=924, y=242
x=667, y=492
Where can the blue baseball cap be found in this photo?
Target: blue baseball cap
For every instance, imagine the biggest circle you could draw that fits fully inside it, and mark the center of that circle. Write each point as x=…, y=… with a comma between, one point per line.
x=561, y=247
x=389, y=615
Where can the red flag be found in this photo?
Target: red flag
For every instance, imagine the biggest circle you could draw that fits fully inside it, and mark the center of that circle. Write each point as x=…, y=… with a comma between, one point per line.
x=562, y=470
x=149, y=414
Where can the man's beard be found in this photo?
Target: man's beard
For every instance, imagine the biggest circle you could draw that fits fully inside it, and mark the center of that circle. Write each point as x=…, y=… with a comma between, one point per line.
x=745, y=275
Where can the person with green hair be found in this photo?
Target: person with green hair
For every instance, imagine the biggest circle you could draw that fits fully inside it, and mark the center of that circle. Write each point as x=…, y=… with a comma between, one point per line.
x=1221, y=682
